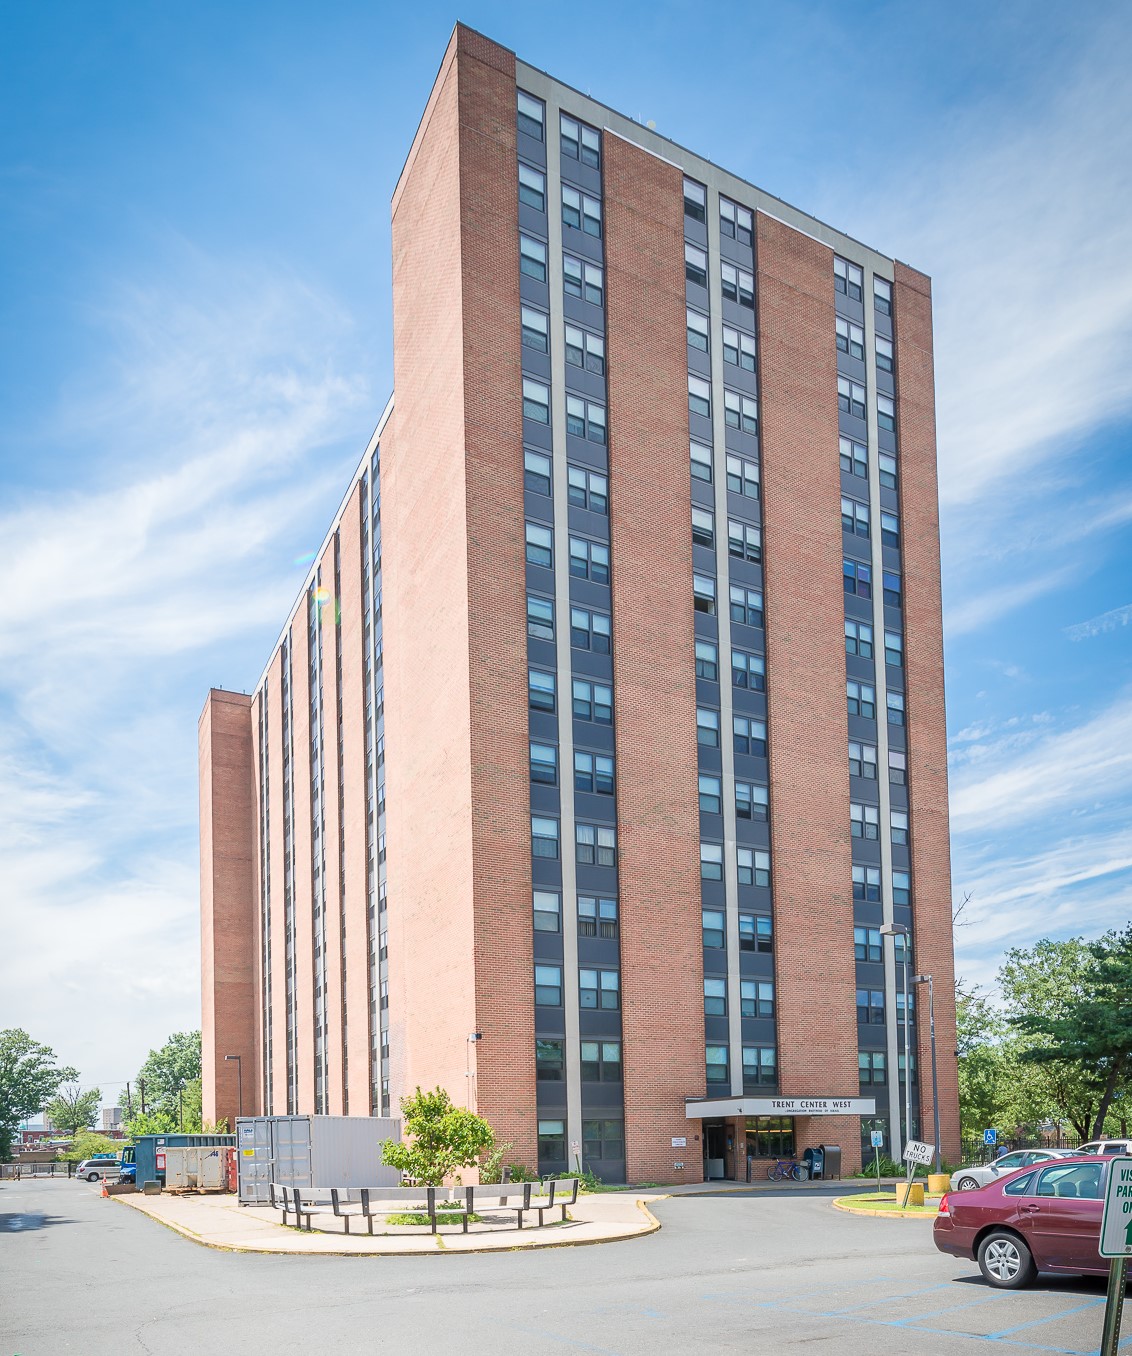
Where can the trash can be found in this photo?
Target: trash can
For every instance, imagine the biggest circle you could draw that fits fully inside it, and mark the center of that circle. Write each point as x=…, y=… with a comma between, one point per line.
x=814, y=1160
x=831, y=1161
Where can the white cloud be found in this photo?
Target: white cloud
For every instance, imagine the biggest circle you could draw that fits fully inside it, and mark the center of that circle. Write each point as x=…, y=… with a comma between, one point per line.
x=216, y=436
x=1063, y=770
x=1095, y=626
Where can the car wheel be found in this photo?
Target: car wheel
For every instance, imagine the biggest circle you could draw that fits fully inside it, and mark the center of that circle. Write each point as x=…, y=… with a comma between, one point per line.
x=92, y=1177
x=966, y=1184
x=1005, y=1261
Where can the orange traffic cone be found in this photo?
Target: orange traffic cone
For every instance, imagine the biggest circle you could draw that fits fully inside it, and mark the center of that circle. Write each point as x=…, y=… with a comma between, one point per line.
x=104, y=1191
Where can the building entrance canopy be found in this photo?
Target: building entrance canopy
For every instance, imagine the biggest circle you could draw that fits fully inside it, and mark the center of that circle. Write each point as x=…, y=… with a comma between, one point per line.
x=697, y=1107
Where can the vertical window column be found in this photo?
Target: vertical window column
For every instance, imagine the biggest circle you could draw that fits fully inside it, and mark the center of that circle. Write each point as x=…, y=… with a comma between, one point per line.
x=893, y=981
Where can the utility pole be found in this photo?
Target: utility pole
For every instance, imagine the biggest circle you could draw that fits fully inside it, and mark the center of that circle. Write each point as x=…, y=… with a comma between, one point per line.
x=129, y=1103
x=141, y=1094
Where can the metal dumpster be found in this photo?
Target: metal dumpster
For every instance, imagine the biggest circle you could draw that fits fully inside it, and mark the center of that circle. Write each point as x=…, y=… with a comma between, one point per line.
x=196, y=1167
x=148, y=1147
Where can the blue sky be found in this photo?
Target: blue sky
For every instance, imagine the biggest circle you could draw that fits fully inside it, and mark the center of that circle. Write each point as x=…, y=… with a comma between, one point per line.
x=195, y=346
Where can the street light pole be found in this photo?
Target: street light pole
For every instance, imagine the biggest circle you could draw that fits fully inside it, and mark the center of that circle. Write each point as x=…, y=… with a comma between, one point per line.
x=239, y=1081
x=927, y=979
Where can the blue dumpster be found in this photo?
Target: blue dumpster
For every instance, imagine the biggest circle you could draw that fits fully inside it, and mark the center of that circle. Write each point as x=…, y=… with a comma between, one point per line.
x=148, y=1147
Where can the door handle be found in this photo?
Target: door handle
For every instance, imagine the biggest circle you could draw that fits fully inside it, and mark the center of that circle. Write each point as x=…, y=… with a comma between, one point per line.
x=1030, y=1209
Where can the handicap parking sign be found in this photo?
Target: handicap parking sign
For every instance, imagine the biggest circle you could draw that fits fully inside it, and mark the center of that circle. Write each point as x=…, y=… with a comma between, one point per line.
x=878, y=1139
x=990, y=1136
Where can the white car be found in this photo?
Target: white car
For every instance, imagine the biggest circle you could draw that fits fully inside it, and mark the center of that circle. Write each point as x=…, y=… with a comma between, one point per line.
x=93, y=1169
x=967, y=1179
x=1107, y=1148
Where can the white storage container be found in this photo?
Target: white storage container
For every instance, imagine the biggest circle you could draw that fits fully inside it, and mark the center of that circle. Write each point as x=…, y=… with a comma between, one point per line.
x=312, y=1151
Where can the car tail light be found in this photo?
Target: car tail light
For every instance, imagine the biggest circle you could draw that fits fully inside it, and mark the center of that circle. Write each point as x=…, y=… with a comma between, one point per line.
x=944, y=1206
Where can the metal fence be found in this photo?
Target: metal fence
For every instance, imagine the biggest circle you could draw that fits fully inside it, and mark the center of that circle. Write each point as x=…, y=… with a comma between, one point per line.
x=976, y=1152
x=18, y=1171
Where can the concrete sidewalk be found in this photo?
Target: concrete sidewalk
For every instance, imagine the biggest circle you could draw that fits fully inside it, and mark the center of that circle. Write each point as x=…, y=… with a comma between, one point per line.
x=219, y=1222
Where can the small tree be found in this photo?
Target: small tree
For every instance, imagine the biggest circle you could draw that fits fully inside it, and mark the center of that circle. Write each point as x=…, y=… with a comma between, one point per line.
x=444, y=1137
x=87, y=1144
x=29, y=1078
x=72, y=1110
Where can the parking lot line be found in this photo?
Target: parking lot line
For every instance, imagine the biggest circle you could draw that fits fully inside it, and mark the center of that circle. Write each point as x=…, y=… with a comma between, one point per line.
x=1037, y=1322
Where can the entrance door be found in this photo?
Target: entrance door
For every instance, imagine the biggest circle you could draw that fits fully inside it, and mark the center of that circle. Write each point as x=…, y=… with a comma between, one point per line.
x=715, y=1151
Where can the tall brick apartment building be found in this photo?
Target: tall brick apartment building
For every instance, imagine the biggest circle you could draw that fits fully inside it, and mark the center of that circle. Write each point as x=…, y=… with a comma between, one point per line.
x=607, y=731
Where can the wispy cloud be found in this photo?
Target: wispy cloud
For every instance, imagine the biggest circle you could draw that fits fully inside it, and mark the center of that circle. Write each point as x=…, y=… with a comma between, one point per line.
x=980, y=608
x=1067, y=771
x=219, y=429
x=1095, y=626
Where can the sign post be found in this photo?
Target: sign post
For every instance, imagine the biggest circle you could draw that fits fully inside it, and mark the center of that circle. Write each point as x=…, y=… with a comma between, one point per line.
x=915, y=1151
x=1116, y=1243
x=877, y=1139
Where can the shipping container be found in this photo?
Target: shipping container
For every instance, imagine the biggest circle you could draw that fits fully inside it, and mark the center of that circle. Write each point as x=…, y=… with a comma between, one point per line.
x=196, y=1167
x=151, y=1168
x=312, y=1151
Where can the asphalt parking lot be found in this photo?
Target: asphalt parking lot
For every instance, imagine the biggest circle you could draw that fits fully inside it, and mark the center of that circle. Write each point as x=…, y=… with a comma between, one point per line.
x=766, y=1273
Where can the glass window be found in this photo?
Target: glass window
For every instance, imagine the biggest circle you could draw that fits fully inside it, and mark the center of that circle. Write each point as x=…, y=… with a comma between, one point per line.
x=593, y=772
x=756, y=997
x=531, y=115
x=701, y=462
x=737, y=285
x=850, y=338
x=589, y=560
x=854, y=458
x=746, y=605
x=749, y=735
x=885, y=358
x=580, y=142
x=744, y=542
x=857, y=577
x=887, y=464
x=583, y=280
x=901, y=887
x=711, y=861
x=862, y=699
x=552, y=1141
x=532, y=187
x=751, y=801
x=597, y=917
x=864, y=821
x=536, y=401
x=848, y=279
x=735, y=222
x=548, y=986
x=738, y=348
x=740, y=411
x=540, y=618
x=544, y=837
x=540, y=690
x=600, y=989
x=895, y=702
x=711, y=794
x=748, y=671
x=593, y=701
x=695, y=200
x=897, y=768
x=866, y=884
x=703, y=527
x=882, y=296
x=759, y=1067
x=697, y=330
x=714, y=935
x=602, y=1141
x=532, y=258
x=544, y=763
x=717, y=1065
x=536, y=472
x=756, y=932
x=535, y=329
x=770, y=1136
x=862, y=760
x=550, y=1060
x=742, y=476
x=715, y=998
x=707, y=727
x=854, y=516
x=886, y=412
x=707, y=660
x=601, y=1061
x=590, y=630
x=540, y=545
x=859, y=639
x=587, y=489
x=695, y=265
x=754, y=866
x=851, y=397
x=547, y=911
x=699, y=397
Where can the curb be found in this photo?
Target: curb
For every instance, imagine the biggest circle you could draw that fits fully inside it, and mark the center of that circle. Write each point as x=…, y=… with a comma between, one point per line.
x=839, y=1204
x=440, y=1250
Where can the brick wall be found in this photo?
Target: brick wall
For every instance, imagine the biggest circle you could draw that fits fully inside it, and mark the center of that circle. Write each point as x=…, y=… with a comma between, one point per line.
x=807, y=723
x=654, y=668
x=228, y=904
x=425, y=571
x=933, y=947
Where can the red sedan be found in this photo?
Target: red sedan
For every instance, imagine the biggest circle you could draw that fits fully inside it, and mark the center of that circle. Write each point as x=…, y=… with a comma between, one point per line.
x=1043, y=1218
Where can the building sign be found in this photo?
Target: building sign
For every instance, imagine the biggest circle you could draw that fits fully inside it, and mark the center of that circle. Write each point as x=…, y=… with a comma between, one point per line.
x=780, y=1106
x=679, y=1141
x=810, y=1106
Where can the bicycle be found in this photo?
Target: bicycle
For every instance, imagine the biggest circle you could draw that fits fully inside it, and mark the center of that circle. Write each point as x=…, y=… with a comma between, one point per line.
x=785, y=1170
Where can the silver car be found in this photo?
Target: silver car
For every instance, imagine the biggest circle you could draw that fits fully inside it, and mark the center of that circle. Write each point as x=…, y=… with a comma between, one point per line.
x=91, y=1169
x=967, y=1179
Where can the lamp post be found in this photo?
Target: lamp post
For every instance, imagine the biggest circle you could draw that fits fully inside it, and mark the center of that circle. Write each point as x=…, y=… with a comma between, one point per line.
x=927, y=979
x=895, y=930
x=468, y=1075
x=239, y=1081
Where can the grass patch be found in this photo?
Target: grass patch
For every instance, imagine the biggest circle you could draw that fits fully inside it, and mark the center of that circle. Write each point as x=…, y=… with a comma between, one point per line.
x=886, y=1200
x=442, y=1217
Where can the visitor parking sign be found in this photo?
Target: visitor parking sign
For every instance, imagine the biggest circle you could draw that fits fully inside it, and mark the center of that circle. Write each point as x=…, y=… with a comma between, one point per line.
x=1116, y=1226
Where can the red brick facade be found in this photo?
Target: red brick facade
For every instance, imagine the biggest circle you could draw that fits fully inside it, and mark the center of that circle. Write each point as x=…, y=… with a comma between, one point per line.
x=229, y=927
x=933, y=945
x=654, y=670
x=807, y=724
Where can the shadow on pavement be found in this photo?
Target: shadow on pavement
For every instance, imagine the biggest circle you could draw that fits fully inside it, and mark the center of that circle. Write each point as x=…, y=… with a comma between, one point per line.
x=26, y=1223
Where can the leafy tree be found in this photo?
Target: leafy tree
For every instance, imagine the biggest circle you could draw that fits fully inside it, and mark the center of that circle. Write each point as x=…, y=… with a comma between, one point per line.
x=87, y=1144
x=165, y=1081
x=29, y=1078
x=1073, y=1000
x=444, y=1137
x=72, y=1110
